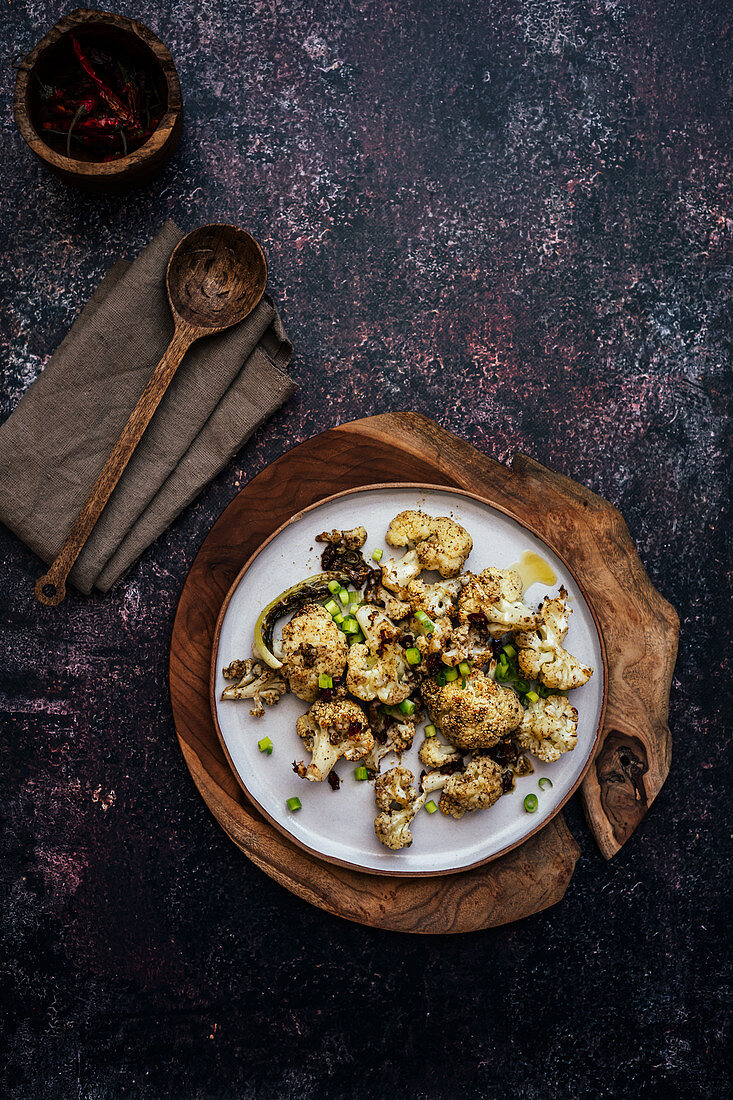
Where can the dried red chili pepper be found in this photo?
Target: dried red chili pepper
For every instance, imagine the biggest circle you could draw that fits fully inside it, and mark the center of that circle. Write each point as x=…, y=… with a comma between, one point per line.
x=113, y=101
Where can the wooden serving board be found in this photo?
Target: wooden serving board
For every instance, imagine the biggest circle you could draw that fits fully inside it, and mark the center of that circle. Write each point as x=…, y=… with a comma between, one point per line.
x=640, y=631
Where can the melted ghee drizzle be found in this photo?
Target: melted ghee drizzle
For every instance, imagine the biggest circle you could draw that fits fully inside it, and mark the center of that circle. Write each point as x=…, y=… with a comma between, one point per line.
x=533, y=569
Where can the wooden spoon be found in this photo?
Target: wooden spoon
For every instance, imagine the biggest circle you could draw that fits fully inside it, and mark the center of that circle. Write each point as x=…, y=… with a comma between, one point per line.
x=215, y=278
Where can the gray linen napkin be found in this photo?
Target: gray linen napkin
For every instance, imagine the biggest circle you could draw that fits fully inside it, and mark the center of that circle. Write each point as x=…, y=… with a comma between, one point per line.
x=55, y=443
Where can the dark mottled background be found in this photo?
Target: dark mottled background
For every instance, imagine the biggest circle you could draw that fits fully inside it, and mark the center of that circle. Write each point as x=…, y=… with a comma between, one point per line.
x=513, y=217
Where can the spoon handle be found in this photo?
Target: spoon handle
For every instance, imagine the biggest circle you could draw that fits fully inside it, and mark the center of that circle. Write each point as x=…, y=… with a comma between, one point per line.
x=51, y=588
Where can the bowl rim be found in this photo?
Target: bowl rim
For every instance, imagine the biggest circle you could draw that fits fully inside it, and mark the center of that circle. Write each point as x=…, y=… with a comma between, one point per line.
x=74, y=20
x=350, y=865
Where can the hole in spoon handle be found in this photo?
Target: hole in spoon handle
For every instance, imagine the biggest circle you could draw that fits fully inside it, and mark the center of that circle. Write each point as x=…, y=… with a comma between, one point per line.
x=51, y=588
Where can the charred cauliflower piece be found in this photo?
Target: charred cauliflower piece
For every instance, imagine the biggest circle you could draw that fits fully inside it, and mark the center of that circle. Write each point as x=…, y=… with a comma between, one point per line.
x=352, y=539
x=390, y=735
x=549, y=728
x=476, y=716
x=255, y=682
x=312, y=644
x=467, y=643
x=435, y=754
x=398, y=802
x=476, y=788
x=331, y=731
x=433, y=542
x=541, y=654
x=377, y=667
x=438, y=601
x=495, y=595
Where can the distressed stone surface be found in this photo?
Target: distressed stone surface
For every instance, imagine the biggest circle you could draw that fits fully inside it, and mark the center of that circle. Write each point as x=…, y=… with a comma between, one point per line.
x=513, y=217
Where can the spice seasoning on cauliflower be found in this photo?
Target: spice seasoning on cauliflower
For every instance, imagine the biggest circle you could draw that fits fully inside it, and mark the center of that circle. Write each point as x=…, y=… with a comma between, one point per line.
x=435, y=754
x=331, y=731
x=390, y=735
x=541, y=655
x=353, y=539
x=377, y=667
x=433, y=542
x=398, y=802
x=438, y=602
x=473, y=716
x=549, y=728
x=476, y=788
x=255, y=682
x=496, y=595
x=312, y=645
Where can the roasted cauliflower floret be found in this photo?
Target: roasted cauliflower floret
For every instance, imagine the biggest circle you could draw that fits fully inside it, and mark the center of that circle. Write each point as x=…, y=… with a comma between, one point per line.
x=352, y=539
x=377, y=667
x=397, y=574
x=495, y=595
x=467, y=643
x=549, y=728
x=476, y=788
x=438, y=602
x=438, y=542
x=390, y=735
x=475, y=716
x=541, y=654
x=331, y=731
x=255, y=682
x=312, y=644
x=394, y=788
x=398, y=802
x=435, y=754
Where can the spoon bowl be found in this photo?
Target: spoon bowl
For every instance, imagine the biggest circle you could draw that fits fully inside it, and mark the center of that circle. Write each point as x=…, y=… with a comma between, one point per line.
x=216, y=276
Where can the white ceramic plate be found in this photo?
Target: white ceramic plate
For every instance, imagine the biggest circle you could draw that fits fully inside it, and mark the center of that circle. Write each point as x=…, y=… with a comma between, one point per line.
x=338, y=825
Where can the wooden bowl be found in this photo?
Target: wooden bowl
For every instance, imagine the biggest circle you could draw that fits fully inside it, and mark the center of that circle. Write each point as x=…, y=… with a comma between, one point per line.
x=139, y=165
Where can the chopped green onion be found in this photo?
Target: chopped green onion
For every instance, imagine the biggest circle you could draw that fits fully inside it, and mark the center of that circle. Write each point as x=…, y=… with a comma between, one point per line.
x=464, y=668
x=440, y=679
x=430, y=807
x=355, y=639
x=522, y=686
x=420, y=615
x=533, y=697
x=523, y=701
x=407, y=706
x=350, y=625
x=354, y=607
x=361, y=774
x=531, y=803
x=324, y=680
x=544, y=691
x=344, y=596
x=413, y=654
x=503, y=659
x=425, y=621
x=450, y=675
x=509, y=651
x=334, y=587
x=502, y=673
x=544, y=782
x=377, y=555
x=294, y=804
x=265, y=745
x=332, y=607
x=338, y=619
x=430, y=731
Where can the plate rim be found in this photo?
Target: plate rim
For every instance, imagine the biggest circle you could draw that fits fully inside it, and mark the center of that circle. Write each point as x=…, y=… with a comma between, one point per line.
x=348, y=864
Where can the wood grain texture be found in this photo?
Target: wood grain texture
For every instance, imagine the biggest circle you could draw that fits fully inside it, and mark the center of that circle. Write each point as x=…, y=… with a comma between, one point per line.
x=215, y=277
x=583, y=528
x=138, y=166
